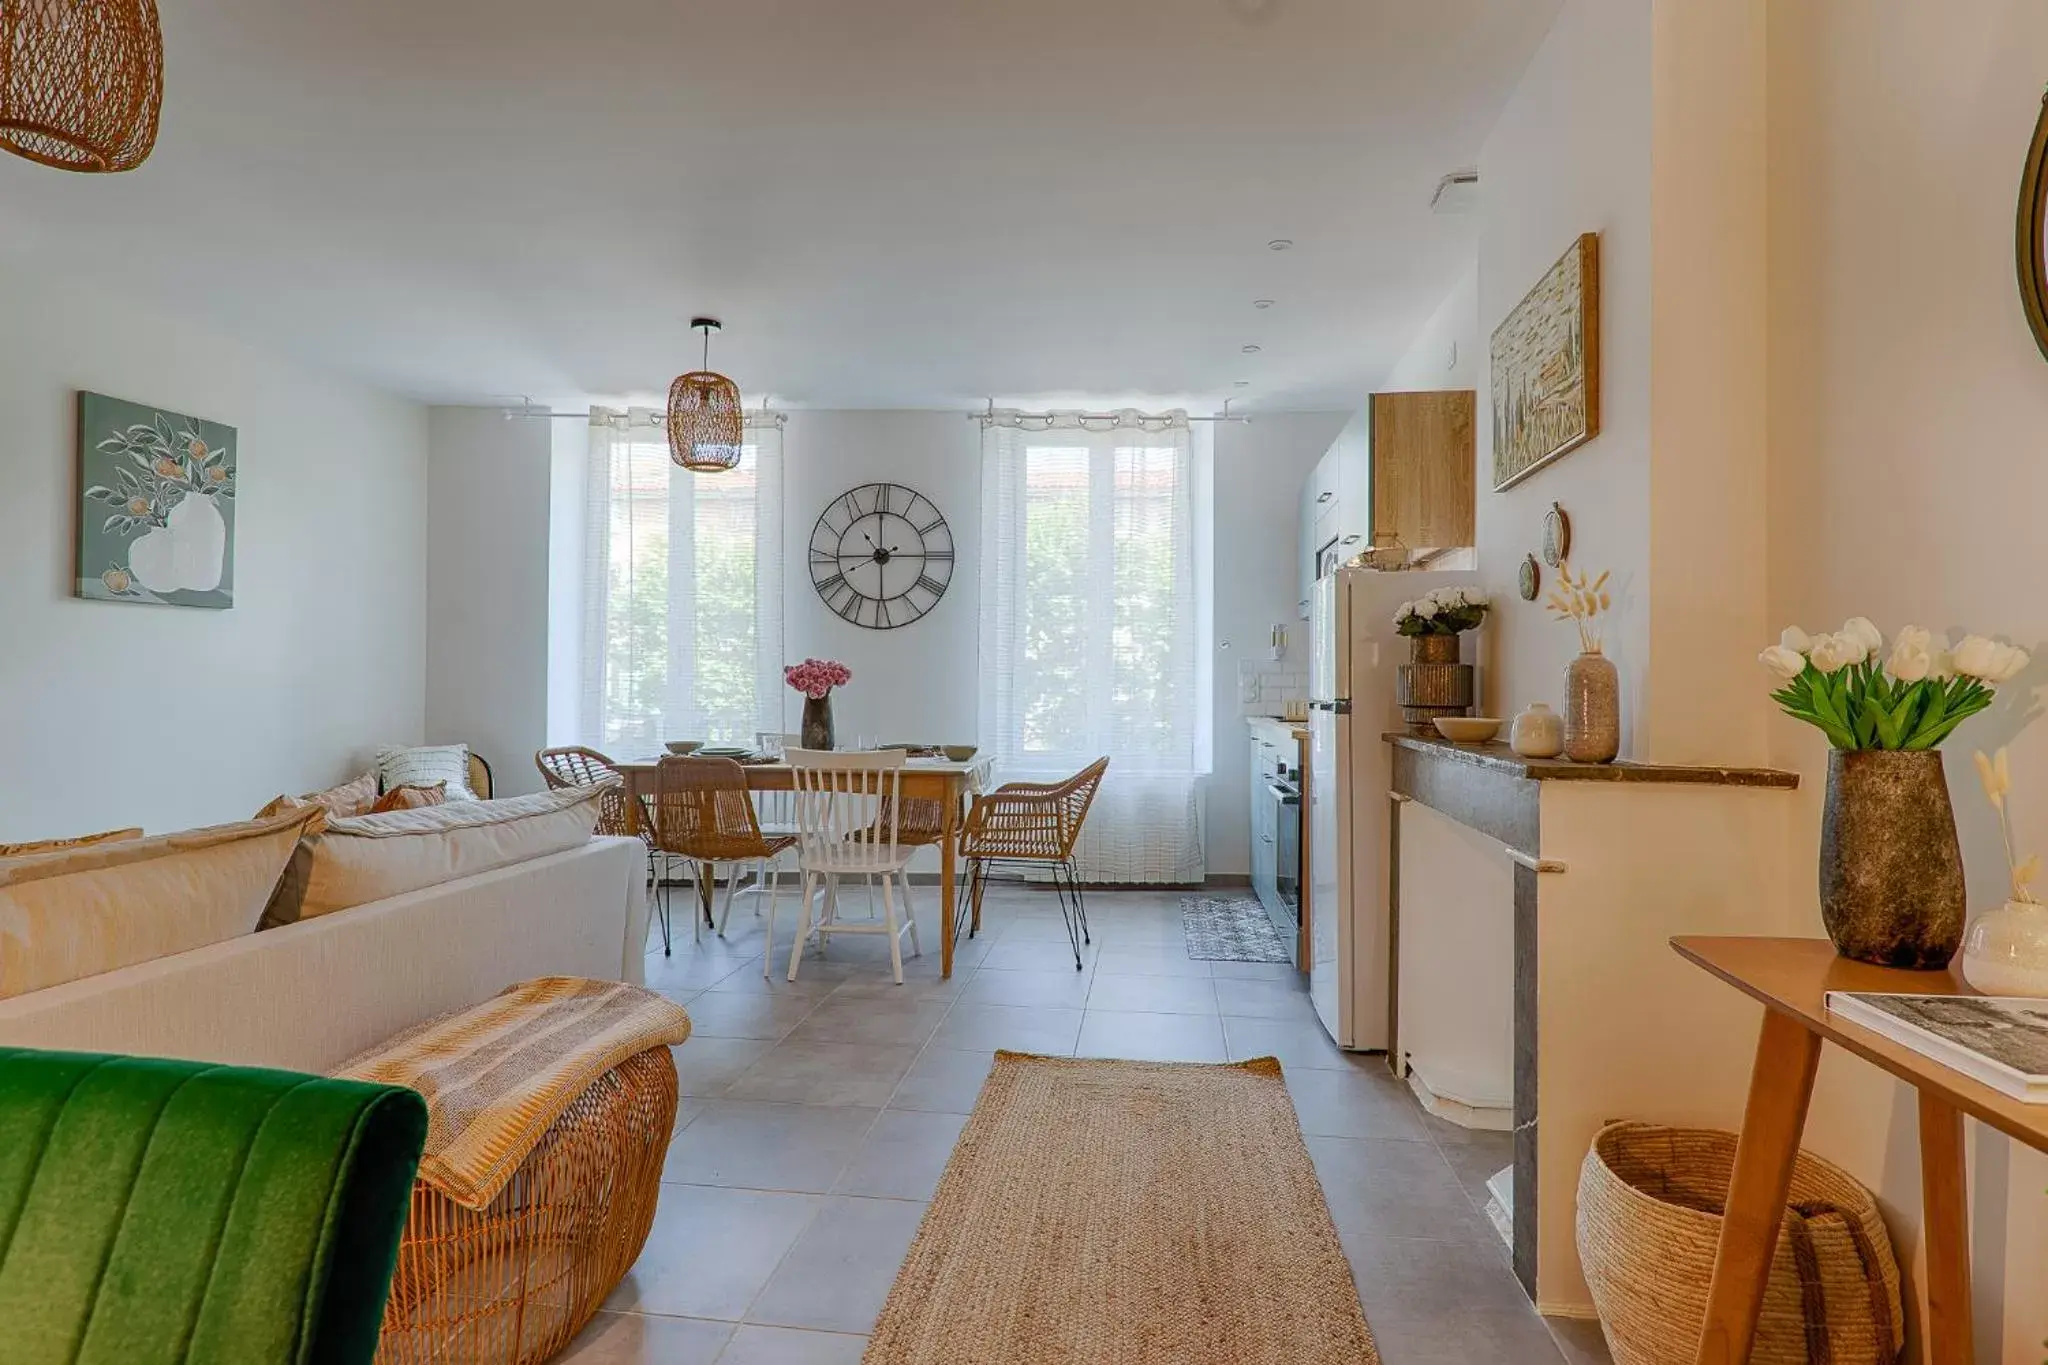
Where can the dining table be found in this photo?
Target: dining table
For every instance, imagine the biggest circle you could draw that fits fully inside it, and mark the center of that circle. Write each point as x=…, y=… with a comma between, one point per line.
x=952, y=784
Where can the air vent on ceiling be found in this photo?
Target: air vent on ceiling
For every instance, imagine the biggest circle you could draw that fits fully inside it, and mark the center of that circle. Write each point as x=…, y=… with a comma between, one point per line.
x=1457, y=192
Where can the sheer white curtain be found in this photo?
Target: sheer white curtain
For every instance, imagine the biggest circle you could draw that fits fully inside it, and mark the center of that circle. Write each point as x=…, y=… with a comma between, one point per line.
x=1088, y=631
x=682, y=590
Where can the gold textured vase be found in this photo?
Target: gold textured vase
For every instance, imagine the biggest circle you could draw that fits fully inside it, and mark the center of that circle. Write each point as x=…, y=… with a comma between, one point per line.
x=1432, y=683
x=1592, y=709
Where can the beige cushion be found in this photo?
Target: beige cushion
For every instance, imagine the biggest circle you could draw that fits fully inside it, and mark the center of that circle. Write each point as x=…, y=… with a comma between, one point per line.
x=411, y=798
x=373, y=857
x=425, y=764
x=112, y=836
x=79, y=912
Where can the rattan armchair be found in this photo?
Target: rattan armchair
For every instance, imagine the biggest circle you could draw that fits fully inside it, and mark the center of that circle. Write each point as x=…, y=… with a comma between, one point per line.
x=575, y=766
x=1031, y=824
x=703, y=811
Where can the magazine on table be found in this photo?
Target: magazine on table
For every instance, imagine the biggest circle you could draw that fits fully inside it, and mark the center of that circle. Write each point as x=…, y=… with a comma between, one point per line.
x=1999, y=1040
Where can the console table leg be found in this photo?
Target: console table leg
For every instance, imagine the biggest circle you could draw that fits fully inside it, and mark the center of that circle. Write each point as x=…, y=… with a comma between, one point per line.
x=1780, y=1087
x=1944, y=1195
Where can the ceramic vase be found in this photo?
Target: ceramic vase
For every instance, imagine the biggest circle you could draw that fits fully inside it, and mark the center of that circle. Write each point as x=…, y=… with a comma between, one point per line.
x=1432, y=683
x=1592, y=709
x=1891, y=871
x=2005, y=951
x=817, y=726
x=1537, y=732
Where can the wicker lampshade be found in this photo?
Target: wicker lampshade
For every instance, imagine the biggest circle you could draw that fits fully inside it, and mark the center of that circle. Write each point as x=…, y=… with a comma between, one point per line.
x=706, y=428
x=81, y=82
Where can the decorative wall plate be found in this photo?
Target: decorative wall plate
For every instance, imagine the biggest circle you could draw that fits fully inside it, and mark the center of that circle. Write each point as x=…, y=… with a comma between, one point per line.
x=1557, y=536
x=881, y=556
x=1529, y=579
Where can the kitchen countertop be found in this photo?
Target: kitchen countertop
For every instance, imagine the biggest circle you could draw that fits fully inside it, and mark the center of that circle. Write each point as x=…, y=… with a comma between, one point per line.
x=1294, y=729
x=1499, y=758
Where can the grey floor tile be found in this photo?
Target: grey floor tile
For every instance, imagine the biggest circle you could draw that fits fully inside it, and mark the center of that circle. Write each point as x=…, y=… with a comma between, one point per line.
x=711, y=1250
x=1579, y=1341
x=706, y=1066
x=872, y=1021
x=943, y=1081
x=643, y=1339
x=903, y=1155
x=731, y=1014
x=1354, y=1104
x=815, y=977
x=1153, y=994
x=1056, y=987
x=1423, y=1277
x=797, y=1147
x=1393, y=1189
x=803, y=1072
x=1151, y=1037
x=1258, y=971
x=1476, y=1159
x=1035, y=955
x=1252, y=998
x=1467, y=1338
x=752, y=1345
x=1149, y=959
x=836, y=1276
x=1019, y=1028
x=1297, y=1043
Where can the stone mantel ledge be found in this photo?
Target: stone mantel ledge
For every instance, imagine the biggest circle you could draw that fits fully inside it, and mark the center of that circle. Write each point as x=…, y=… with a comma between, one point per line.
x=1496, y=757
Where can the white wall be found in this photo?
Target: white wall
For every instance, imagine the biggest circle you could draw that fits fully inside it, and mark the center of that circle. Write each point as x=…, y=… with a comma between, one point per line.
x=489, y=492
x=1259, y=468
x=917, y=682
x=170, y=717
x=1571, y=154
x=1908, y=406
x=1445, y=354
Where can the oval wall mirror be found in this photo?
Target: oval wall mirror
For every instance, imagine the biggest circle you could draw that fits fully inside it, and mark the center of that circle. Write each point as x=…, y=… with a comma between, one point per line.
x=2031, y=246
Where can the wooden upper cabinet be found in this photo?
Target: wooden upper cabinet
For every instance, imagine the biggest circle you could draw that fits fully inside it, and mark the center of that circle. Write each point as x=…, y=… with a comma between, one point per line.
x=1423, y=468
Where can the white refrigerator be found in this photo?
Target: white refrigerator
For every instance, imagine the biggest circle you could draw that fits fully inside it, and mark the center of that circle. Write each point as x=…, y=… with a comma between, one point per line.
x=1353, y=653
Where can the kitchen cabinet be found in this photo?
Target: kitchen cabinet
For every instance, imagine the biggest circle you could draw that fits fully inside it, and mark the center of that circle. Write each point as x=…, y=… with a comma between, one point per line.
x=1401, y=472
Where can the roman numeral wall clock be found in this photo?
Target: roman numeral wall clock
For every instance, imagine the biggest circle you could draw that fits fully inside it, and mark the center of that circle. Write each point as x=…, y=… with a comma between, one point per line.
x=881, y=556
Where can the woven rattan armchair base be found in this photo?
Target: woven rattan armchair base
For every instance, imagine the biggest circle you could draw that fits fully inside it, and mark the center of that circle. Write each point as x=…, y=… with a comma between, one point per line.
x=510, y=1285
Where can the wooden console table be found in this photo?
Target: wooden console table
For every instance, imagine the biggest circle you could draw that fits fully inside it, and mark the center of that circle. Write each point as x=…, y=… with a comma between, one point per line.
x=1792, y=977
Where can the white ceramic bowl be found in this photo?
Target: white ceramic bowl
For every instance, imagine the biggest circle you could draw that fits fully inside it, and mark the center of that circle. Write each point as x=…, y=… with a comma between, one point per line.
x=1467, y=729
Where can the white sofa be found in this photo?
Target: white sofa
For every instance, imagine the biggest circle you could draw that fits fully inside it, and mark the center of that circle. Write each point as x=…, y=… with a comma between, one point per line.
x=308, y=996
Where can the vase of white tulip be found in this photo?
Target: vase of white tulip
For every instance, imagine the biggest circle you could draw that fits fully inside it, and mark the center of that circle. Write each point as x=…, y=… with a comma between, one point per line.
x=1891, y=871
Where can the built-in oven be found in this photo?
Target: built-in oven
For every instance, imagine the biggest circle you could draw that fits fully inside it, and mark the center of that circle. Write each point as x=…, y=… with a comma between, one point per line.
x=1276, y=842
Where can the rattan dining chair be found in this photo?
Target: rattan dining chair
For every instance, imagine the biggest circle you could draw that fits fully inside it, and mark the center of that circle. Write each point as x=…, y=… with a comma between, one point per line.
x=848, y=825
x=1031, y=825
x=704, y=812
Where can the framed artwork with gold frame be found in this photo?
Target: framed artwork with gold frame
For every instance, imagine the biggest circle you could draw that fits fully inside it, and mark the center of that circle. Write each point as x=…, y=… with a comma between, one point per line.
x=1546, y=367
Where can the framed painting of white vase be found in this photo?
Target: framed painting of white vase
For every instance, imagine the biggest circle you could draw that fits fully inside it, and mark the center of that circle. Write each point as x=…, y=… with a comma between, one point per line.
x=156, y=520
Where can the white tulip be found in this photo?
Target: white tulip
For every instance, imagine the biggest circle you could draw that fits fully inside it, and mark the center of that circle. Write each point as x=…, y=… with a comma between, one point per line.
x=1785, y=663
x=1832, y=653
x=2007, y=663
x=1796, y=640
x=1863, y=635
x=1976, y=656
x=1912, y=654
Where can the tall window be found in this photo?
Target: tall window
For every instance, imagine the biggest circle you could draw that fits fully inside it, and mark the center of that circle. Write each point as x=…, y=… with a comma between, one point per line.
x=682, y=592
x=1089, y=630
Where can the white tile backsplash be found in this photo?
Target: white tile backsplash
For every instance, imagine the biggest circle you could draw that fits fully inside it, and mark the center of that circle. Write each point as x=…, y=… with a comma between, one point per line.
x=1265, y=688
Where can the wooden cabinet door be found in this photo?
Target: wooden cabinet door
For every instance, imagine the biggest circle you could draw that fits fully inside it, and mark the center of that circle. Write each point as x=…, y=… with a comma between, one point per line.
x=1423, y=476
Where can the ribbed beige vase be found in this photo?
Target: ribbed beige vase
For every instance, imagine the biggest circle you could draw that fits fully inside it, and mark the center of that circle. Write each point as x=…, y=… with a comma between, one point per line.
x=1592, y=709
x=1432, y=683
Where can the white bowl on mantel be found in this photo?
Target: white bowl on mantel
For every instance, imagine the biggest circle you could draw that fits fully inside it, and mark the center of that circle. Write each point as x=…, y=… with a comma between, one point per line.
x=1467, y=729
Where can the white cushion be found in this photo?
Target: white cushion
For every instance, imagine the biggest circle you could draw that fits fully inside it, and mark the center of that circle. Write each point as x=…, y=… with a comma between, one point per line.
x=368, y=858
x=423, y=766
x=78, y=912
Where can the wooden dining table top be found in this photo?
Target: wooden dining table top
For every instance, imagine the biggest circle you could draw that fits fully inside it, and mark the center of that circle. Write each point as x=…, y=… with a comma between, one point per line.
x=973, y=769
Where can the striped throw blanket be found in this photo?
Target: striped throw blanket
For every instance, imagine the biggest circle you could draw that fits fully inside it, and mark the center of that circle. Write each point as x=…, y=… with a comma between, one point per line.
x=497, y=1074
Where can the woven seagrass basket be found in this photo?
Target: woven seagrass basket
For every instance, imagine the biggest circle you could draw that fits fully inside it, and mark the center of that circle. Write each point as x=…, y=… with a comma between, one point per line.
x=1650, y=1210
x=510, y=1285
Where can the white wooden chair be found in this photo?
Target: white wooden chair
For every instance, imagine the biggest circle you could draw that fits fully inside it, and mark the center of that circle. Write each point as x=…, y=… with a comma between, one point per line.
x=846, y=814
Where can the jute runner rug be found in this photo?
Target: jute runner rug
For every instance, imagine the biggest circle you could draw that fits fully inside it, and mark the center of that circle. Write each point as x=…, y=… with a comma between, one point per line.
x=1126, y=1213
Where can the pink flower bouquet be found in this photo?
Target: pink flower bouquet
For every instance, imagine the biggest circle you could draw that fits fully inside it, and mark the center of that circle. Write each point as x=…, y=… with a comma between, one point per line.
x=816, y=678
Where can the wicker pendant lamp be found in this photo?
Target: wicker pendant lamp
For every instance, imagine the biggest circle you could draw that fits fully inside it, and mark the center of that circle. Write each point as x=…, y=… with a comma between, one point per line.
x=706, y=428
x=81, y=82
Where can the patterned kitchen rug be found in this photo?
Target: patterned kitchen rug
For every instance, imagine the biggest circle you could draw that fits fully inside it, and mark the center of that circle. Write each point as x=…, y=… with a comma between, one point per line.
x=1128, y=1213
x=1230, y=929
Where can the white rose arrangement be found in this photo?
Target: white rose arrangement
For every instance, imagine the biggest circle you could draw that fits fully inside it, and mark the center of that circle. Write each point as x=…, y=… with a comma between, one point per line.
x=1443, y=611
x=1861, y=697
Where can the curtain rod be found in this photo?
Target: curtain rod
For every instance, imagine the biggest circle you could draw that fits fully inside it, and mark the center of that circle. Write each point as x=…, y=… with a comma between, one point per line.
x=989, y=414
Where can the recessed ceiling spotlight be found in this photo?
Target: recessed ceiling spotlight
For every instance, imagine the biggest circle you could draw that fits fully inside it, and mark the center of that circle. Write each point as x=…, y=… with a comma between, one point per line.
x=1252, y=349
x=1280, y=244
x=1262, y=303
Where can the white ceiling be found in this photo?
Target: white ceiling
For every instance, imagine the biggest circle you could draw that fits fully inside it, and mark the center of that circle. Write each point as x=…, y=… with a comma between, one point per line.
x=910, y=203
